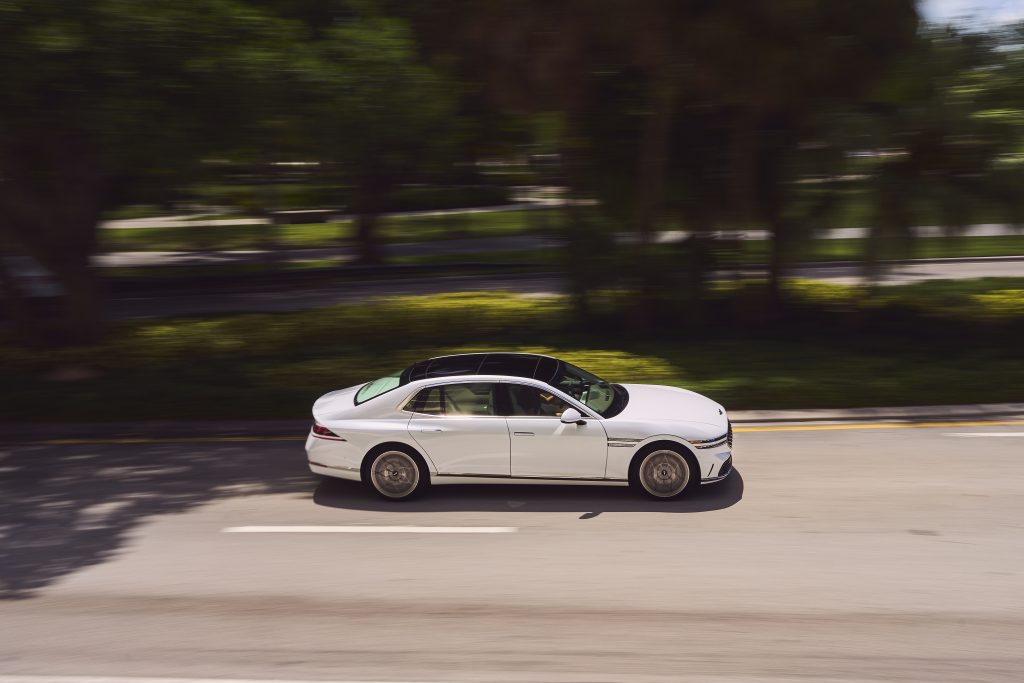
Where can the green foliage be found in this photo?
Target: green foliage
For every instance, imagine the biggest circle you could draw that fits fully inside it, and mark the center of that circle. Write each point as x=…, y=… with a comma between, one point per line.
x=1001, y=303
x=851, y=348
x=378, y=111
x=943, y=129
x=656, y=109
x=109, y=101
x=152, y=85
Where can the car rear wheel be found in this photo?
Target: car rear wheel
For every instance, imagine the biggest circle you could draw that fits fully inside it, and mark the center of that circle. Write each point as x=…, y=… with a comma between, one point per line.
x=397, y=474
x=663, y=473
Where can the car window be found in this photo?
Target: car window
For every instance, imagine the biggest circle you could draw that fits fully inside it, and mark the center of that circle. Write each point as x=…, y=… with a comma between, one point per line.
x=510, y=364
x=428, y=401
x=455, y=365
x=589, y=389
x=546, y=369
x=527, y=401
x=377, y=387
x=416, y=371
x=469, y=399
x=473, y=398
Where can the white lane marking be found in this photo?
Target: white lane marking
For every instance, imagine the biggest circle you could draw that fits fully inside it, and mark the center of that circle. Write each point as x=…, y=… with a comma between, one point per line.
x=573, y=679
x=995, y=434
x=137, y=679
x=370, y=530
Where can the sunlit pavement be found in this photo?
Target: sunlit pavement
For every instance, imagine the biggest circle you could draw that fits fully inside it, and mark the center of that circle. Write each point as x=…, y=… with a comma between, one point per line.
x=831, y=555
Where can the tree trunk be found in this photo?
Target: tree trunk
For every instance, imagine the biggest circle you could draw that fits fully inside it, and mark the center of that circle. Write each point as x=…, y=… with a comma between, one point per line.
x=83, y=304
x=772, y=200
x=51, y=202
x=743, y=176
x=777, y=265
x=652, y=167
x=585, y=253
x=366, y=239
x=271, y=202
x=367, y=205
x=652, y=162
x=18, y=308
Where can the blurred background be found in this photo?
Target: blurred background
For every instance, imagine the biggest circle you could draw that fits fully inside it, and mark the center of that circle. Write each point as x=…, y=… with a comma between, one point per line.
x=212, y=213
x=224, y=209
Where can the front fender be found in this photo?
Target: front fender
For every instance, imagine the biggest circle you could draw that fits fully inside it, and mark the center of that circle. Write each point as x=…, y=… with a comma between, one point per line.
x=621, y=453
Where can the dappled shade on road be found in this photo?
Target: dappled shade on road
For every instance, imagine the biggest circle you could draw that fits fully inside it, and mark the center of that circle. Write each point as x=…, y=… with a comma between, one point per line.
x=66, y=508
x=69, y=507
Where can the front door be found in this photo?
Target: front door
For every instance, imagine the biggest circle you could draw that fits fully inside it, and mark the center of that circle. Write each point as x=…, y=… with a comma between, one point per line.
x=457, y=427
x=545, y=447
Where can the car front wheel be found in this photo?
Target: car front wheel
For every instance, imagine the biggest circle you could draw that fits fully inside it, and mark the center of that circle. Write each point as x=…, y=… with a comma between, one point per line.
x=397, y=474
x=663, y=474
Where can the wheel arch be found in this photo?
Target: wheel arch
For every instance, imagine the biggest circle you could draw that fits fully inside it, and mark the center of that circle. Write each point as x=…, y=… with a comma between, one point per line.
x=663, y=441
x=393, y=445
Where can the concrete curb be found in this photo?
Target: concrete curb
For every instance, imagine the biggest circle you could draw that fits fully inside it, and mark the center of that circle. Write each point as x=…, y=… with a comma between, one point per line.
x=243, y=429
x=980, y=412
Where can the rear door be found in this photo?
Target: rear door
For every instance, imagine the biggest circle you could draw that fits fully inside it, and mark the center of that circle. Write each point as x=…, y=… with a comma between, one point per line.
x=545, y=447
x=458, y=427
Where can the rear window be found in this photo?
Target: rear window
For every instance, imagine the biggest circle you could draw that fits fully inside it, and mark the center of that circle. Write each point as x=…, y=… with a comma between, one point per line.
x=378, y=386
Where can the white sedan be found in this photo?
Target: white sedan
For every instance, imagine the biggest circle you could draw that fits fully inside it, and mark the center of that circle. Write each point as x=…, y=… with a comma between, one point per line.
x=521, y=419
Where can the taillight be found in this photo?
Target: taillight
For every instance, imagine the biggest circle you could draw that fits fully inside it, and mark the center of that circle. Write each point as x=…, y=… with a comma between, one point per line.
x=320, y=430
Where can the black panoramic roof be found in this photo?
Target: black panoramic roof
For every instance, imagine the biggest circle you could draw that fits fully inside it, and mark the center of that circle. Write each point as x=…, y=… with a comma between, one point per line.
x=530, y=365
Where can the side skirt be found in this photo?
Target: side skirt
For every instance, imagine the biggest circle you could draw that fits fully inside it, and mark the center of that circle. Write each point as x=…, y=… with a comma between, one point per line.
x=502, y=479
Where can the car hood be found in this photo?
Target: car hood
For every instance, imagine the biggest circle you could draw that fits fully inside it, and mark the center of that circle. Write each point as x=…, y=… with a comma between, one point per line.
x=652, y=402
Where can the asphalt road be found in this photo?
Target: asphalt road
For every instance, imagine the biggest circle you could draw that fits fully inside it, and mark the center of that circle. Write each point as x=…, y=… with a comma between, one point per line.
x=852, y=554
x=224, y=301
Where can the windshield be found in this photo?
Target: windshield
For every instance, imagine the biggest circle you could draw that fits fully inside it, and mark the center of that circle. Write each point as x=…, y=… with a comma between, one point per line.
x=379, y=386
x=590, y=390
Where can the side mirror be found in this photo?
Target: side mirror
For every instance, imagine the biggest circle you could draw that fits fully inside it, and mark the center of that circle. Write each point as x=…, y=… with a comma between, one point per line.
x=572, y=415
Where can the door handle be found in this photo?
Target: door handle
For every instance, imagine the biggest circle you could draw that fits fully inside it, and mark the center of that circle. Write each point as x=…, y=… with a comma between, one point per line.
x=433, y=429
x=523, y=433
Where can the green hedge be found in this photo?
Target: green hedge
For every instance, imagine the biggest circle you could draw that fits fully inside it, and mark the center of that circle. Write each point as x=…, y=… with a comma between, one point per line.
x=840, y=346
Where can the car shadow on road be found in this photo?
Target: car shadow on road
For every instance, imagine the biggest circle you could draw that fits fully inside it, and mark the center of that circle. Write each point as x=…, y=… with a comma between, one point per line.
x=589, y=501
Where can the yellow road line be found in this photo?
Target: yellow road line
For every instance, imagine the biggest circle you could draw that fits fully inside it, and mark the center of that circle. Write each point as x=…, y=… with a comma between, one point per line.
x=876, y=425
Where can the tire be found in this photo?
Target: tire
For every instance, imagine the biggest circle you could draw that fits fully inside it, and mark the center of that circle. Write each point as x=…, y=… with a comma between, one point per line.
x=664, y=472
x=396, y=473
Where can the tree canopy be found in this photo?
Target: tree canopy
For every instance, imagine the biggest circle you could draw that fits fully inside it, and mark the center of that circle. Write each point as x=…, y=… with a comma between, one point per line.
x=695, y=114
